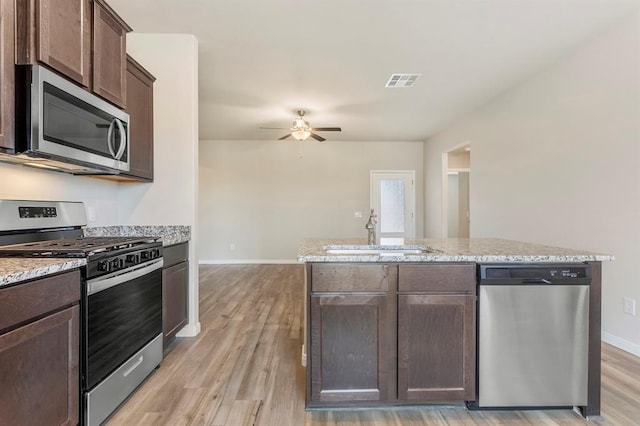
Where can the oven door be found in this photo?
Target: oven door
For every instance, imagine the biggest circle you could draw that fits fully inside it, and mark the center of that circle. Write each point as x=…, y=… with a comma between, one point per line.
x=123, y=314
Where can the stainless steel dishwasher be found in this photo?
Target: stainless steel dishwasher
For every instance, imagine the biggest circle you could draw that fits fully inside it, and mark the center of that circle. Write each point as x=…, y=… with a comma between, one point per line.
x=533, y=334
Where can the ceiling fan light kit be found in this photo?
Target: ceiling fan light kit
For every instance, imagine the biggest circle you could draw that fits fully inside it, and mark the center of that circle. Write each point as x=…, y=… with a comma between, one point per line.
x=301, y=135
x=301, y=130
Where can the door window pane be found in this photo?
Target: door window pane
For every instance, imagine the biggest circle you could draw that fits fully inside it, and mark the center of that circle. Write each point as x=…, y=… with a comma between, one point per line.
x=392, y=205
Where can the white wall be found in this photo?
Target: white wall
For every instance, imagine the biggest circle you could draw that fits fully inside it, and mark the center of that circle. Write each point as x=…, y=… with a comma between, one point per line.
x=173, y=197
x=24, y=183
x=262, y=197
x=556, y=161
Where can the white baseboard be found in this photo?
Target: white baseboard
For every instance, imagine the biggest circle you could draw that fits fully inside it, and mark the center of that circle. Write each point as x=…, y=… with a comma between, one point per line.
x=303, y=358
x=621, y=343
x=247, y=261
x=189, y=330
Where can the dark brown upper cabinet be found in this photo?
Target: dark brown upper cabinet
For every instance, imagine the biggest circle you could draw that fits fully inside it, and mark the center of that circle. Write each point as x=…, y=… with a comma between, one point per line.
x=56, y=33
x=7, y=59
x=109, y=53
x=139, y=101
x=82, y=39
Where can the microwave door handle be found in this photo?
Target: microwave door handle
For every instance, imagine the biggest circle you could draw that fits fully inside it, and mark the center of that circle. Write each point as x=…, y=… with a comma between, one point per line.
x=123, y=139
x=110, y=138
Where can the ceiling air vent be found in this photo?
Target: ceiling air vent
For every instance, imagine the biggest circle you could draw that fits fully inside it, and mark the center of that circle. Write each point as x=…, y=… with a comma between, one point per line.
x=402, y=80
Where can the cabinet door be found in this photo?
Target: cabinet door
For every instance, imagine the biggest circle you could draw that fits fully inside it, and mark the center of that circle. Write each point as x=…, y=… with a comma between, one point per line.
x=39, y=371
x=140, y=109
x=175, y=281
x=57, y=33
x=7, y=60
x=109, y=54
x=350, y=348
x=436, y=347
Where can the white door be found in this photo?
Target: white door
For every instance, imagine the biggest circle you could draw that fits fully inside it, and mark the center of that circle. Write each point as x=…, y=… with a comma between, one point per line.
x=393, y=198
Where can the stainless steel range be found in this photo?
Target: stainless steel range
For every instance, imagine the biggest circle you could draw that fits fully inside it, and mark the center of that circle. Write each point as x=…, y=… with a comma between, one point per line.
x=121, y=306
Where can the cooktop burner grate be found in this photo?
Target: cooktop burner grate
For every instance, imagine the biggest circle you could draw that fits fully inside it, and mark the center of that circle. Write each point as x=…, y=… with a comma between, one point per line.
x=76, y=247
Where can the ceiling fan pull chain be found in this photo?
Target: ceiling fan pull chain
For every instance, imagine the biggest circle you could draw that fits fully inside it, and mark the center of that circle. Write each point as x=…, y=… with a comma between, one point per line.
x=300, y=149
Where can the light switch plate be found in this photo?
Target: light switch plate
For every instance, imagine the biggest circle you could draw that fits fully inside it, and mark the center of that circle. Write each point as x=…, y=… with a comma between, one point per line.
x=629, y=306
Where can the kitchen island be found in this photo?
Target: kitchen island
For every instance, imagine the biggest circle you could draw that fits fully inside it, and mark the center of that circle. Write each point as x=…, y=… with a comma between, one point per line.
x=396, y=325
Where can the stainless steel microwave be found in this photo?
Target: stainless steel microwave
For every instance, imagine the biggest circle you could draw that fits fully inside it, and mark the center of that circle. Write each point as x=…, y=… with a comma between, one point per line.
x=60, y=121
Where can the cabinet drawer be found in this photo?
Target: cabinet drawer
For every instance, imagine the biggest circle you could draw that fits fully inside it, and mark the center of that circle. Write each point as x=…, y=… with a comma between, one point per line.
x=32, y=299
x=353, y=277
x=437, y=278
x=174, y=254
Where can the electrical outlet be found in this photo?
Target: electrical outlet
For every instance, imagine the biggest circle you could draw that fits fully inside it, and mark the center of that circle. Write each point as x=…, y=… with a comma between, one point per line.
x=629, y=306
x=91, y=214
x=357, y=214
x=232, y=246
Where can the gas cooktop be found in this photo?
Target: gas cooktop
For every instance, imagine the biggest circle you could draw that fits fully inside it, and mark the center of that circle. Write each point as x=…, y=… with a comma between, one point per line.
x=74, y=247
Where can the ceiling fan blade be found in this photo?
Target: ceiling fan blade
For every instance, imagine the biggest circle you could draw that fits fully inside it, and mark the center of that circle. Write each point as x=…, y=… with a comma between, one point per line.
x=275, y=128
x=288, y=135
x=327, y=129
x=317, y=137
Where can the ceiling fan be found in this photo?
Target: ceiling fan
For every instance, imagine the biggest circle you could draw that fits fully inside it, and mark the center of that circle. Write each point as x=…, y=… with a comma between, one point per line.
x=301, y=130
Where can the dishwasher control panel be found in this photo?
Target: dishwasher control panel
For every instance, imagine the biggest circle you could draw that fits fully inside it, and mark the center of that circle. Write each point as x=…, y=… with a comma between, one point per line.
x=534, y=274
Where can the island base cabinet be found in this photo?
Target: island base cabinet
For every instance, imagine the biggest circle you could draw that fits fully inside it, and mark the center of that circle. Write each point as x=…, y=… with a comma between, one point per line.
x=350, y=348
x=39, y=371
x=436, y=347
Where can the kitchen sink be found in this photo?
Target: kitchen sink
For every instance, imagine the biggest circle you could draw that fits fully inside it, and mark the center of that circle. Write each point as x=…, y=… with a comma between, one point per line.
x=378, y=250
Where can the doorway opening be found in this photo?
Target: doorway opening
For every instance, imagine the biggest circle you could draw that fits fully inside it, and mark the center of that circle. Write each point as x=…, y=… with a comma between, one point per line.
x=393, y=198
x=456, y=218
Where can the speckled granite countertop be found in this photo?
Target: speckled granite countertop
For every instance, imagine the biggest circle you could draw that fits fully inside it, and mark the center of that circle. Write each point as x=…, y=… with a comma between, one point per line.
x=171, y=234
x=16, y=269
x=450, y=250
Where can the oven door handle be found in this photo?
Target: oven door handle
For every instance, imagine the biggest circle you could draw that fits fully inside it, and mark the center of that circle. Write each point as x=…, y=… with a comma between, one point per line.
x=99, y=284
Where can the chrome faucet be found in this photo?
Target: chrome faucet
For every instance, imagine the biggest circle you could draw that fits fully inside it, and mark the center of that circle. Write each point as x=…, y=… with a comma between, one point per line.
x=371, y=227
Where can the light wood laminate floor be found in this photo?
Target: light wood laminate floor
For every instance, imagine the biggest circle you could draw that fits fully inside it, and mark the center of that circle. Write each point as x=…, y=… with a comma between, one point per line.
x=244, y=368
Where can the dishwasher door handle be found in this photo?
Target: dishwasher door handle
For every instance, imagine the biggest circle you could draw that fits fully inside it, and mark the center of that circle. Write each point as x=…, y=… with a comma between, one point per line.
x=535, y=281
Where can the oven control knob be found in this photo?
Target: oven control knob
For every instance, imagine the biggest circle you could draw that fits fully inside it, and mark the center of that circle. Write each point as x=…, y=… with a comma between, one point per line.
x=133, y=258
x=145, y=255
x=155, y=253
x=115, y=264
x=103, y=266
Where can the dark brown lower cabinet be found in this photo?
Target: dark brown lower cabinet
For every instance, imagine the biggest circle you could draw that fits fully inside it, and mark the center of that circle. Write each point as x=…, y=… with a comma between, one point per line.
x=39, y=357
x=174, y=299
x=390, y=334
x=175, y=290
x=436, y=347
x=350, y=348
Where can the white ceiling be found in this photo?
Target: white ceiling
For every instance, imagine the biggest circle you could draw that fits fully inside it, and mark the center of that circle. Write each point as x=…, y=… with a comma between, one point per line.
x=260, y=60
